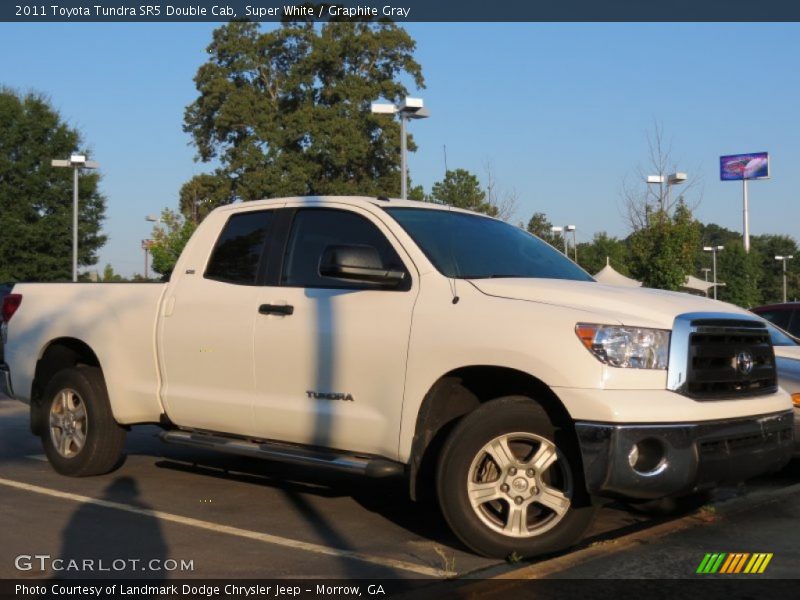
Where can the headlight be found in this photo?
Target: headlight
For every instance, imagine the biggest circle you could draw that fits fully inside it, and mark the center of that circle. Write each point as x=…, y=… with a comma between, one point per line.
x=633, y=347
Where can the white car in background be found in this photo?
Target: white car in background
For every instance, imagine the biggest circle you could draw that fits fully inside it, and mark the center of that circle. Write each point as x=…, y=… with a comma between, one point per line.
x=787, y=359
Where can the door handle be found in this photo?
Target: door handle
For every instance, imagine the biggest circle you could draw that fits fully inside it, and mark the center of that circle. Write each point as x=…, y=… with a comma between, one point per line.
x=276, y=309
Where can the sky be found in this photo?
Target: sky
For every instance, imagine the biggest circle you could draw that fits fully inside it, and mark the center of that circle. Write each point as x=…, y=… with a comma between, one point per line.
x=560, y=112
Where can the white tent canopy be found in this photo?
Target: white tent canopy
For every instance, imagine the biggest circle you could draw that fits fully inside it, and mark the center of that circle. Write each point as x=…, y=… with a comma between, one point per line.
x=695, y=284
x=609, y=276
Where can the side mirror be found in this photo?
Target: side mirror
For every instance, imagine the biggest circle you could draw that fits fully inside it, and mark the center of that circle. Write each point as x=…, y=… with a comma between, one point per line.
x=357, y=263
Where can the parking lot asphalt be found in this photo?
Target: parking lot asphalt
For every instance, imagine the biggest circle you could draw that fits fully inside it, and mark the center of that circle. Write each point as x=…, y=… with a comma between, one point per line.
x=230, y=517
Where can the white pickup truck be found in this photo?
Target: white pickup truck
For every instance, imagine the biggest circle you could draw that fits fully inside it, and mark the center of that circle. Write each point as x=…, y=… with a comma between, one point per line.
x=394, y=337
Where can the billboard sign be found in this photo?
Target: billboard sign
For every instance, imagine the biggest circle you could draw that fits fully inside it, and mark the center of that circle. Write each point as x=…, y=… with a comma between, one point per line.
x=736, y=167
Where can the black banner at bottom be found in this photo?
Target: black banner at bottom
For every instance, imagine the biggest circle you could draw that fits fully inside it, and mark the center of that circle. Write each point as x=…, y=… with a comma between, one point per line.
x=733, y=587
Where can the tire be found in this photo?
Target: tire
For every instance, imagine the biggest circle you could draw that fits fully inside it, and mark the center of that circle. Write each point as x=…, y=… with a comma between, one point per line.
x=491, y=524
x=80, y=436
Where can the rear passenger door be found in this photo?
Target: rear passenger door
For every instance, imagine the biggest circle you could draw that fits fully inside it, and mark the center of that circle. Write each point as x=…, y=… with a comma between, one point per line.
x=207, y=331
x=330, y=367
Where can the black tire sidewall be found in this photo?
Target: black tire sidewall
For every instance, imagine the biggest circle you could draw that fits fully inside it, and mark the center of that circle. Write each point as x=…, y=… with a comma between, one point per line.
x=493, y=419
x=104, y=437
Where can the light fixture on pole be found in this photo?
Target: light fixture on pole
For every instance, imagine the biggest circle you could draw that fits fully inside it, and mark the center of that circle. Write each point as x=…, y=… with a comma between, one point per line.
x=409, y=108
x=783, y=259
x=76, y=162
x=146, y=244
x=572, y=228
x=557, y=229
x=705, y=271
x=669, y=180
x=714, y=250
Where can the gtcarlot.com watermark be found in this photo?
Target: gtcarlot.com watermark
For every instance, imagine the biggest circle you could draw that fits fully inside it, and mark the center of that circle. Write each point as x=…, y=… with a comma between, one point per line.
x=45, y=562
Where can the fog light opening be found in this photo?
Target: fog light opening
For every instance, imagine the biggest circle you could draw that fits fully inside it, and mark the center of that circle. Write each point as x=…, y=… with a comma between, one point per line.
x=647, y=457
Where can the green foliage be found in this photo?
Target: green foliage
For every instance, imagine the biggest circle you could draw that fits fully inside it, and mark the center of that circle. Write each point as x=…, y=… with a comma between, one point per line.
x=417, y=193
x=712, y=234
x=740, y=272
x=663, y=252
x=461, y=189
x=594, y=255
x=540, y=226
x=202, y=194
x=287, y=112
x=36, y=199
x=109, y=276
x=169, y=239
x=766, y=248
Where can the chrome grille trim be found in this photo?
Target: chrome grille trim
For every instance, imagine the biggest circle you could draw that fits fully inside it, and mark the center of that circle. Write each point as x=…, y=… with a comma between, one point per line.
x=688, y=324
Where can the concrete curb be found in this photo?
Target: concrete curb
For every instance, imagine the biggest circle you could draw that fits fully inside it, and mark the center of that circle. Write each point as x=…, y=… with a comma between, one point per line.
x=550, y=567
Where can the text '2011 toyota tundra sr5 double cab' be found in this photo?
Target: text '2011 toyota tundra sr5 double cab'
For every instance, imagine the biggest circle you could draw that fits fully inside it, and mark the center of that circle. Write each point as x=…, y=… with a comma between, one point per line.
x=395, y=337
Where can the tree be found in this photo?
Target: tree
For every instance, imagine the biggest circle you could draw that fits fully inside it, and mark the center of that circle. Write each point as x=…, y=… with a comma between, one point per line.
x=109, y=276
x=287, y=112
x=740, y=273
x=169, y=239
x=461, y=189
x=504, y=200
x=766, y=248
x=643, y=200
x=202, y=194
x=540, y=226
x=36, y=199
x=603, y=249
x=665, y=237
x=663, y=253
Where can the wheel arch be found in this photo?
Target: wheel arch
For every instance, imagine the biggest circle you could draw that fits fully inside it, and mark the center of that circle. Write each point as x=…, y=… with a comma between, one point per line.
x=458, y=393
x=57, y=354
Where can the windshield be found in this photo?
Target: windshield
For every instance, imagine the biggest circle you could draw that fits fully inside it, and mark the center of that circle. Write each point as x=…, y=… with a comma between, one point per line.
x=469, y=246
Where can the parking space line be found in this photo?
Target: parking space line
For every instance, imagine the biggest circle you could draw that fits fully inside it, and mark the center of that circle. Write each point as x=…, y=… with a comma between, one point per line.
x=234, y=531
x=40, y=457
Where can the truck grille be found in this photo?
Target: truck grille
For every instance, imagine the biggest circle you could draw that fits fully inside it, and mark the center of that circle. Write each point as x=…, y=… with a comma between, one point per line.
x=729, y=358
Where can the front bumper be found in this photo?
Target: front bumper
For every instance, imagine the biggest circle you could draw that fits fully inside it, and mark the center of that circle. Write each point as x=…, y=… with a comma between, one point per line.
x=797, y=432
x=678, y=459
x=5, y=381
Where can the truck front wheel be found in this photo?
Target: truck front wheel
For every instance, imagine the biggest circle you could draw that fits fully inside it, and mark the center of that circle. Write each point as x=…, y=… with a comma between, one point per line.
x=81, y=437
x=510, y=483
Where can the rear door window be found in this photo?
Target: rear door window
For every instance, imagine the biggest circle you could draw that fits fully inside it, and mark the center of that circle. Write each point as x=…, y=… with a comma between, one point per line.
x=238, y=252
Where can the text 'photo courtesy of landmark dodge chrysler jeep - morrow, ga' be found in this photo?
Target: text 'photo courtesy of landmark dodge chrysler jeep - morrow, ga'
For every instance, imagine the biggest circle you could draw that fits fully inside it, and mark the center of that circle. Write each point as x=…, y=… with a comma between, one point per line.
x=391, y=337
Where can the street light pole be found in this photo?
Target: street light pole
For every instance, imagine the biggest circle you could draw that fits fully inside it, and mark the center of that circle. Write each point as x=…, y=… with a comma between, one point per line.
x=410, y=108
x=705, y=271
x=572, y=228
x=557, y=229
x=77, y=162
x=714, y=250
x=146, y=247
x=403, y=158
x=670, y=180
x=784, y=259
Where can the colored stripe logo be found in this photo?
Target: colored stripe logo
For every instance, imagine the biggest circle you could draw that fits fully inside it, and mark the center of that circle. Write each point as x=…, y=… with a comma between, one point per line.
x=736, y=562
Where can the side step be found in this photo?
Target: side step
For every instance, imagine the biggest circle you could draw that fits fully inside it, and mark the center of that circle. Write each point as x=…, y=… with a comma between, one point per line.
x=371, y=466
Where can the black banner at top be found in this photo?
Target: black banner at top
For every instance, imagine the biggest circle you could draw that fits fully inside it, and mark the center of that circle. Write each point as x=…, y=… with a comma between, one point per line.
x=401, y=11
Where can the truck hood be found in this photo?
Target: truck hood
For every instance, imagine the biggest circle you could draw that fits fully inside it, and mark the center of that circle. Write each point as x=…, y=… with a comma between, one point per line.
x=643, y=307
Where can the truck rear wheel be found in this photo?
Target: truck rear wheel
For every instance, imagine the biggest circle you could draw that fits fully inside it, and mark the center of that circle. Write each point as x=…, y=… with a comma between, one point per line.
x=510, y=483
x=81, y=437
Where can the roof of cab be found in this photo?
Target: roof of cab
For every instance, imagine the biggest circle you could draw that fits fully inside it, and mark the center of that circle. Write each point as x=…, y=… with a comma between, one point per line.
x=350, y=200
